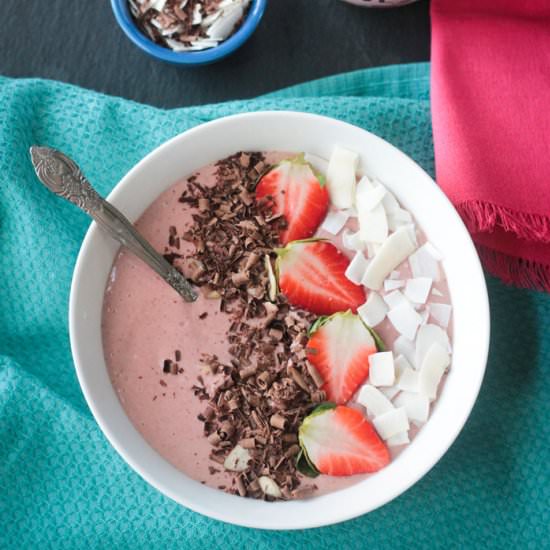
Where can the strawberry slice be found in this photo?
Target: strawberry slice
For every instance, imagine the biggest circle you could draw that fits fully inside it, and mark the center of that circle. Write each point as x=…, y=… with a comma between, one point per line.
x=312, y=276
x=296, y=193
x=340, y=441
x=339, y=349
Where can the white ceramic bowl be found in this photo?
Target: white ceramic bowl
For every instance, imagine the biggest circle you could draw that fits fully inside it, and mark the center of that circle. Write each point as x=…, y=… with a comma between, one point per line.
x=287, y=131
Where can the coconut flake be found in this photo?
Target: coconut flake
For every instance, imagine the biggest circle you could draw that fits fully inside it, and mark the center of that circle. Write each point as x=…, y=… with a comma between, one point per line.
x=393, y=284
x=269, y=487
x=436, y=292
x=352, y=241
x=405, y=320
x=394, y=275
x=381, y=369
x=405, y=347
x=272, y=280
x=427, y=335
x=224, y=25
x=399, y=218
x=391, y=391
x=433, y=251
x=374, y=400
x=390, y=202
x=423, y=264
x=395, y=299
x=368, y=194
x=425, y=314
x=373, y=311
x=341, y=177
x=434, y=364
x=408, y=380
x=418, y=289
x=335, y=221
x=416, y=405
x=398, y=439
x=396, y=248
x=373, y=224
x=237, y=460
x=356, y=268
x=441, y=313
x=157, y=5
x=391, y=423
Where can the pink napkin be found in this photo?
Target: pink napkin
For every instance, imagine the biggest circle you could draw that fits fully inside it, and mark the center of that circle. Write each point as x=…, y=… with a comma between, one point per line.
x=491, y=123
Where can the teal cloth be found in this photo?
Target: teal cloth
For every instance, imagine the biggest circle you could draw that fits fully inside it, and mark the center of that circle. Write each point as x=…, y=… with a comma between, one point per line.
x=63, y=486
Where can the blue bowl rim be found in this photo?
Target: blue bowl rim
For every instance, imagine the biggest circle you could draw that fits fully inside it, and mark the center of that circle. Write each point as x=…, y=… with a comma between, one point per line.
x=127, y=24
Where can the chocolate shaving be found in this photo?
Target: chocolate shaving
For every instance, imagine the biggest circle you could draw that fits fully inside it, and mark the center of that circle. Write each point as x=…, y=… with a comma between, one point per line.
x=261, y=394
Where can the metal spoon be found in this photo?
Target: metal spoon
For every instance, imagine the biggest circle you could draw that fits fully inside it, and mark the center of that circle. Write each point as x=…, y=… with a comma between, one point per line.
x=63, y=177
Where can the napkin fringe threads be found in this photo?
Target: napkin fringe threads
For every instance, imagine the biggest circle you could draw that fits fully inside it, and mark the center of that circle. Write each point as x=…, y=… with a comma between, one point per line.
x=482, y=217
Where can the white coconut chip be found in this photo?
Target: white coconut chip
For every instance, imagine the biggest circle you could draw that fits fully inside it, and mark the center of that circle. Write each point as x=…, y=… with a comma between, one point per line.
x=341, y=177
x=427, y=335
x=401, y=364
x=405, y=320
x=357, y=267
x=224, y=25
x=405, y=347
x=352, y=241
x=320, y=164
x=391, y=391
x=390, y=202
x=373, y=311
x=425, y=314
x=398, y=218
x=416, y=405
x=408, y=380
x=436, y=292
x=271, y=279
x=393, y=284
x=335, y=221
x=441, y=313
x=203, y=43
x=381, y=369
x=394, y=275
x=373, y=224
x=237, y=460
x=423, y=263
x=391, y=423
x=418, y=289
x=433, y=251
x=372, y=249
x=401, y=438
x=157, y=5
x=374, y=401
x=368, y=195
x=396, y=248
x=434, y=365
x=269, y=487
x=395, y=299
x=210, y=19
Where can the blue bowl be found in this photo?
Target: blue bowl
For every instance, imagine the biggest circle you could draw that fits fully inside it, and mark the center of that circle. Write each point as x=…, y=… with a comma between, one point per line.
x=203, y=57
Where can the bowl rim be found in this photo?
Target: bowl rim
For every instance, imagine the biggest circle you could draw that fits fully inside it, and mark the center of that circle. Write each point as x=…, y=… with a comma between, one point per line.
x=265, y=521
x=203, y=57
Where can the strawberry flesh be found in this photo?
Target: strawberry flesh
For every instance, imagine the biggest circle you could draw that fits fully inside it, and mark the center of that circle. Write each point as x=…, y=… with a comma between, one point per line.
x=295, y=192
x=342, y=442
x=312, y=276
x=340, y=351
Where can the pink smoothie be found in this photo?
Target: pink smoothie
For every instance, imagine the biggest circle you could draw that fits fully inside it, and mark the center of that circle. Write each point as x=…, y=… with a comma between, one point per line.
x=145, y=322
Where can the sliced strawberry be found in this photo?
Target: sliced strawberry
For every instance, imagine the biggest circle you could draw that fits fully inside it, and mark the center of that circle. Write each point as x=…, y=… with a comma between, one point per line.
x=340, y=441
x=339, y=349
x=311, y=276
x=298, y=195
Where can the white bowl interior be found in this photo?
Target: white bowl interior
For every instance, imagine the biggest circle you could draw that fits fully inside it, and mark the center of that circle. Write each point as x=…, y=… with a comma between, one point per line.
x=287, y=131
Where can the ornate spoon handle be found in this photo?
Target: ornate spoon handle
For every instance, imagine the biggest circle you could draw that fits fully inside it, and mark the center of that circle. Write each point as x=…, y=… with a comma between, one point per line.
x=63, y=177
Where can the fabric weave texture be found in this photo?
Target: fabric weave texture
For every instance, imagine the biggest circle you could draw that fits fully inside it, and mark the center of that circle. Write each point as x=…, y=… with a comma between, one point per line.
x=63, y=486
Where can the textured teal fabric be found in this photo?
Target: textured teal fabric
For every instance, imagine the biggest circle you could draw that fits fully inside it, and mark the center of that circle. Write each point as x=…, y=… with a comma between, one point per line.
x=63, y=486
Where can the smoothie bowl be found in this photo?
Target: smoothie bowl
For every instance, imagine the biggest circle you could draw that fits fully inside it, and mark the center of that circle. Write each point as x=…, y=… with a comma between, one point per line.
x=340, y=335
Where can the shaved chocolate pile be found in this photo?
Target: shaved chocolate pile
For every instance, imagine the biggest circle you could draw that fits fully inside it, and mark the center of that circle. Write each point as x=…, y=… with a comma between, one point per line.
x=257, y=401
x=188, y=25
